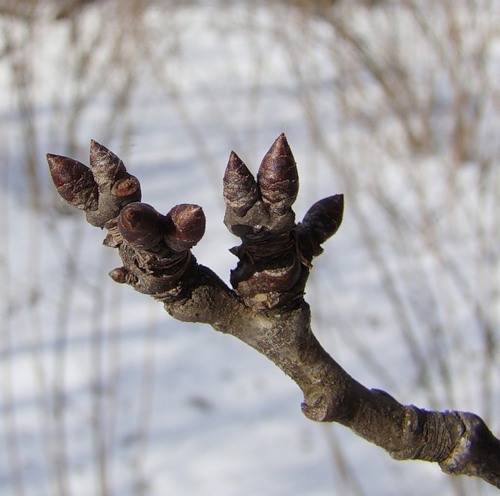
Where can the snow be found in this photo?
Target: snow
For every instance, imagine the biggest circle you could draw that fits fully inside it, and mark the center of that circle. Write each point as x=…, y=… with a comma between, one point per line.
x=101, y=392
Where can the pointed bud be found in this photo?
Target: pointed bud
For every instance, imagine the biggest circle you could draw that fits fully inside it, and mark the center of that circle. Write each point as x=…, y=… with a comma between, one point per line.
x=73, y=181
x=106, y=166
x=278, y=177
x=185, y=227
x=322, y=220
x=141, y=225
x=240, y=188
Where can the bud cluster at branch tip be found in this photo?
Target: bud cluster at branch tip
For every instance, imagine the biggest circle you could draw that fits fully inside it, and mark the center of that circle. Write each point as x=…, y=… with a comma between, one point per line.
x=259, y=212
x=101, y=190
x=275, y=254
x=144, y=228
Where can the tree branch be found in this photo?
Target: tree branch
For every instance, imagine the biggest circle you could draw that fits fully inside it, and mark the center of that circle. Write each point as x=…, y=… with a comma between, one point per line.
x=265, y=308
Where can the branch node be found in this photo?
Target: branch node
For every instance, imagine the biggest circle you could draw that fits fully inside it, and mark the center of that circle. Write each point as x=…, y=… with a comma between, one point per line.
x=317, y=408
x=477, y=451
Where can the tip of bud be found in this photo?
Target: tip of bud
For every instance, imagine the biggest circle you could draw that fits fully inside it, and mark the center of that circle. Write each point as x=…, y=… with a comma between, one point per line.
x=58, y=166
x=240, y=189
x=280, y=146
x=53, y=159
x=100, y=155
x=278, y=177
x=106, y=166
x=185, y=226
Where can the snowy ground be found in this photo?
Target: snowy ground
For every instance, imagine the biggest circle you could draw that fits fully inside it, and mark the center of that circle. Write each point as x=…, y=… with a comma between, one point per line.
x=101, y=392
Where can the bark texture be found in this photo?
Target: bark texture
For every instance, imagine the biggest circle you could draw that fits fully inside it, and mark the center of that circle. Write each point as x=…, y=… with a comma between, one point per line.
x=265, y=308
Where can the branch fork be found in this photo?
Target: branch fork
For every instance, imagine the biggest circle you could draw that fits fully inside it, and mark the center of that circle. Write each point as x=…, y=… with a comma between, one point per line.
x=265, y=307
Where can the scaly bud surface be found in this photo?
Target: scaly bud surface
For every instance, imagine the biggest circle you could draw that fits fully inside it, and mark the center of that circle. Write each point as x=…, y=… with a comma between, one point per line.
x=185, y=227
x=278, y=178
x=73, y=181
x=106, y=166
x=240, y=188
x=321, y=222
x=141, y=226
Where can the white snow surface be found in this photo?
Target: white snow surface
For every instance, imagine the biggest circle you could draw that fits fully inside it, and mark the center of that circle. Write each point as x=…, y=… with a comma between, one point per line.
x=101, y=392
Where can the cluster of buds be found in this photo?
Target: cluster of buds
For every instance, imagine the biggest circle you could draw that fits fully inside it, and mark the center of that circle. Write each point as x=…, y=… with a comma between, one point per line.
x=155, y=248
x=101, y=190
x=144, y=228
x=274, y=256
x=275, y=253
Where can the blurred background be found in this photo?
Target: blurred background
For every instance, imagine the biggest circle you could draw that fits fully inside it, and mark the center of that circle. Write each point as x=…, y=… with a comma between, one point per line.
x=396, y=104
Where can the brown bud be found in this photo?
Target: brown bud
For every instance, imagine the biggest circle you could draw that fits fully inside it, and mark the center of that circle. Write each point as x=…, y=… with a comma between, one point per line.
x=106, y=166
x=322, y=220
x=122, y=276
x=73, y=181
x=185, y=226
x=240, y=188
x=141, y=225
x=278, y=177
x=126, y=187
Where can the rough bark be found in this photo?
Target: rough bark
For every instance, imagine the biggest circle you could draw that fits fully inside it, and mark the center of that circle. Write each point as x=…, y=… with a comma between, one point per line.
x=265, y=308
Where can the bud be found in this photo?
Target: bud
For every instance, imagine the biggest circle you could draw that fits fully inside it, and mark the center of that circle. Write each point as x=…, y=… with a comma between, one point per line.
x=240, y=188
x=106, y=166
x=120, y=275
x=278, y=178
x=126, y=187
x=141, y=225
x=73, y=181
x=322, y=220
x=185, y=227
